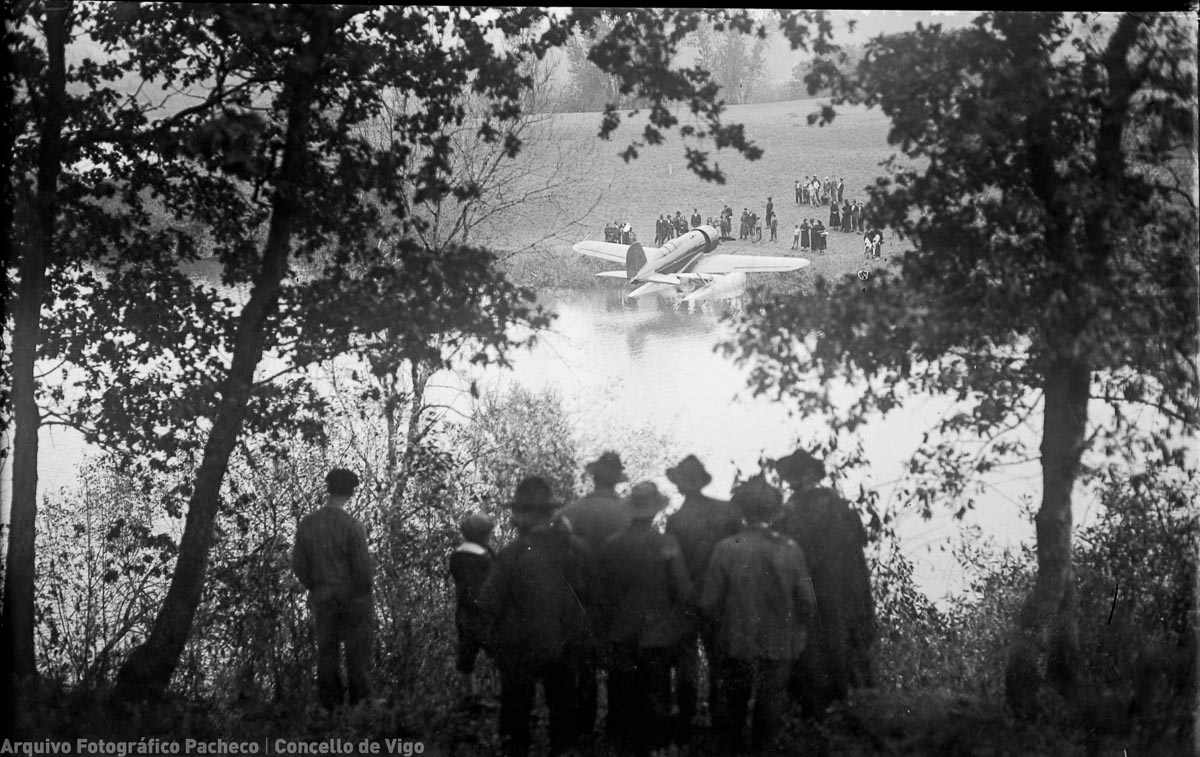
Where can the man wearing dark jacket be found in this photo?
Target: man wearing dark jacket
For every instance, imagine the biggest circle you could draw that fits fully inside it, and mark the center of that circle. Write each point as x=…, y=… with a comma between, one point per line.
x=533, y=601
x=758, y=595
x=832, y=537
x=646, y=596
x=332, y=562
x=470, y=564
x=698, y=524
x=595, y=519
x=601, y=513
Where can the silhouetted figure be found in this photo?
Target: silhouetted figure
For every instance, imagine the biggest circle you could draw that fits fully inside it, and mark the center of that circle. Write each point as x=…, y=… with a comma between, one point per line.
x=595, y=518
x=646, y=594
x=833, y=538
x=332, y=562
x=758, y=595
x=470, y=564
x=532, y=599
x=698, y=524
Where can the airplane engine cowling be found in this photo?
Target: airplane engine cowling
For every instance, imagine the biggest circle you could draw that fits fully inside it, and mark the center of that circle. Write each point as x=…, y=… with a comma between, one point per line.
x=635, y=259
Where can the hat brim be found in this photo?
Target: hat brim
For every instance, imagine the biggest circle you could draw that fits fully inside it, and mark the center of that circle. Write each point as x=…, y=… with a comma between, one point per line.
x=521, y=506
x=688, y=481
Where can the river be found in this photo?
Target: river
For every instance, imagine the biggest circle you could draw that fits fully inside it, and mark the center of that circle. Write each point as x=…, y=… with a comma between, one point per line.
x=641, y=376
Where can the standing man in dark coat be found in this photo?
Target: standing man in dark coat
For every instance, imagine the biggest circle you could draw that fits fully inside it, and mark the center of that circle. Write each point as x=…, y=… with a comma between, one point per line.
x=601, y=513
x=470, y=564
x=846, y=216
x=834, y=215
x=832, y=537
x=758, y=595
x=533, y=599
x=805, y=236
x=595, y=519
x=696, y=219
x=698, y=524
x=770, y=211
x=332, y=562
x=646, y=596
x=841, y=190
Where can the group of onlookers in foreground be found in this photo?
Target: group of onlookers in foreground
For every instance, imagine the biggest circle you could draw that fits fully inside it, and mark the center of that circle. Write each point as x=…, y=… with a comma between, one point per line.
x=776, y=597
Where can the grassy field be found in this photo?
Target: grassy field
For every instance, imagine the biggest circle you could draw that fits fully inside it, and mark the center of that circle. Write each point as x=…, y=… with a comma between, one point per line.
x=606, y=189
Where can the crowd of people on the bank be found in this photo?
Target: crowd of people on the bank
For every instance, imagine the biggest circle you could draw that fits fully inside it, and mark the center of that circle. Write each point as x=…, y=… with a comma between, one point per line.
x=776, y=595
x=810, y=235
x=619, y=232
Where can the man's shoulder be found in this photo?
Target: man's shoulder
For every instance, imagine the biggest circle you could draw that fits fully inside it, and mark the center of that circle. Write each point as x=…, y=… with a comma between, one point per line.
x=593, y=502
x=325, y=516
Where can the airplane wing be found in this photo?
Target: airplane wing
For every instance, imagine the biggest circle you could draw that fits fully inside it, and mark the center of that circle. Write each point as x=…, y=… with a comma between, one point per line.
x=610, y=251
x=720, y=263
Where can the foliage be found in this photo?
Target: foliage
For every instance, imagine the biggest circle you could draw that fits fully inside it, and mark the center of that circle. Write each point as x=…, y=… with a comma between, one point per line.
x=591, y=89
x=1041, y=154
x=736, y=63
x=1137, y=570
x=106, y=556
x=820, y=69
x=916, y=329
x=517, y=433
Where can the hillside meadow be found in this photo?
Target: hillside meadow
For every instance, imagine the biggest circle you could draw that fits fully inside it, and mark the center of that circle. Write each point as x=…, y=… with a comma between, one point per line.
x=535, y=240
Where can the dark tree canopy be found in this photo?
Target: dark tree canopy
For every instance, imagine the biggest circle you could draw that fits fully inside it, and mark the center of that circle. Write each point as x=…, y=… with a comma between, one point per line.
x=242, y=130
x=1046, y=184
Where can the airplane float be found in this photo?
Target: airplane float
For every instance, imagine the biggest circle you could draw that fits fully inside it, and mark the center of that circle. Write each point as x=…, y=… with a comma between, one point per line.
x=685, y=262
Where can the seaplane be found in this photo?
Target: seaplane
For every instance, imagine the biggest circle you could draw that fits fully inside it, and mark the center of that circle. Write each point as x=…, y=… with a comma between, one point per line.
x=687, y=265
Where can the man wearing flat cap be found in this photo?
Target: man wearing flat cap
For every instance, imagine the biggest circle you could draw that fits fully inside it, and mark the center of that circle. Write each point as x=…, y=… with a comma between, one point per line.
x=533, y=599
x=332, y=562
x=758, y=595
x=645, y=597
x=698, y=524
x=595, y=518
x=832, y=537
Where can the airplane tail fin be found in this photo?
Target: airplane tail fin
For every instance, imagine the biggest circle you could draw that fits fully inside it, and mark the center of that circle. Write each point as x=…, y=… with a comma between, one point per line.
x=635, y=259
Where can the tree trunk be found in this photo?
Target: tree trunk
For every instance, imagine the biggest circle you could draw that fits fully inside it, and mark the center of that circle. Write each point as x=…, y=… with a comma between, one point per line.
x=1048, y=625
x=419, y=374
x=148, y=670
x=17, y=656
x=1048, y=622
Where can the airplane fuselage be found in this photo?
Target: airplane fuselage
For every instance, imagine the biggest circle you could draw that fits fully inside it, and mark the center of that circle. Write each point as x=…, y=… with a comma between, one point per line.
x=679, y=255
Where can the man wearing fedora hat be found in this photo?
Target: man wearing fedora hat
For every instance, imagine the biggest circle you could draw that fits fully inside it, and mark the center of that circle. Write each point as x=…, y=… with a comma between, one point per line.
x=646, y=594
x=758, y=595
x=832, y=537
x=331, y=560
x=600, y=514
x=699, y=523
x=595, y=518
x=532, y=598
